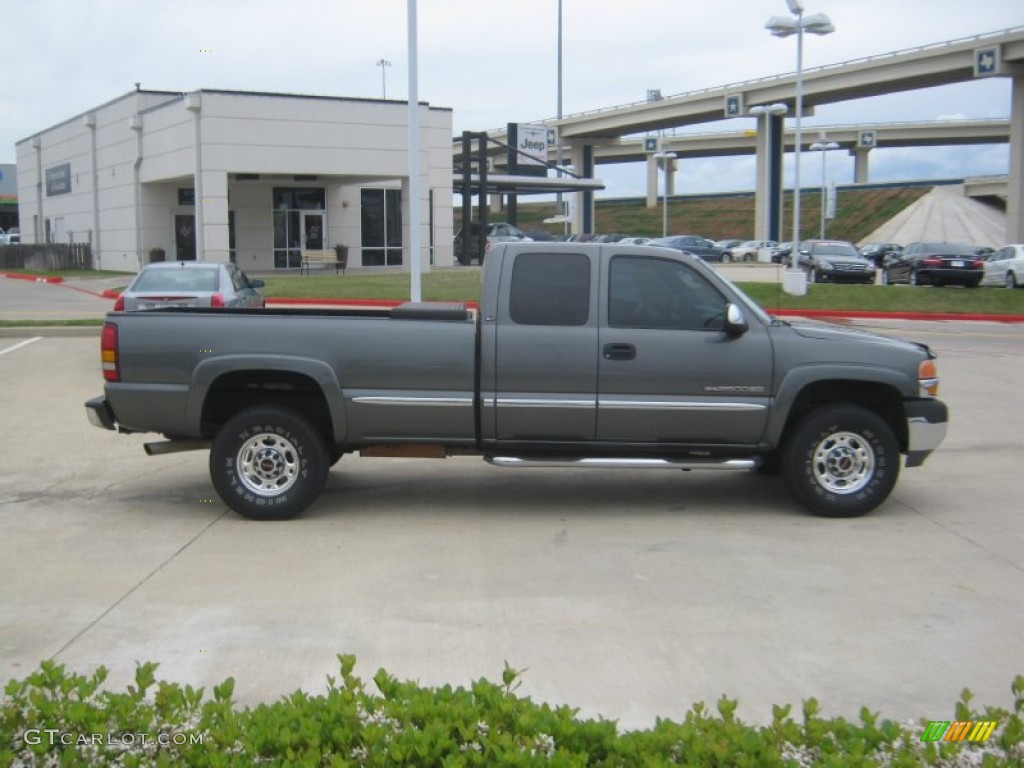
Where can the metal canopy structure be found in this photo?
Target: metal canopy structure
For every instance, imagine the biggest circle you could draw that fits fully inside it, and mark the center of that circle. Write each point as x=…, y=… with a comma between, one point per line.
x=472, y=178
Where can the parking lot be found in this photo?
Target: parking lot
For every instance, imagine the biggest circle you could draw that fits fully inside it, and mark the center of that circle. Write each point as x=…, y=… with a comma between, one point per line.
x=627, y=594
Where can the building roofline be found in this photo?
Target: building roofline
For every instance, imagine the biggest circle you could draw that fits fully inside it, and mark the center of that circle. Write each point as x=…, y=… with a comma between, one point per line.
x=105, y=104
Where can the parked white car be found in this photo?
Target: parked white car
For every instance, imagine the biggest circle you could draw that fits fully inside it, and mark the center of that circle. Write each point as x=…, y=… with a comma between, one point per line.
x=1005, y=267
x=747, y=250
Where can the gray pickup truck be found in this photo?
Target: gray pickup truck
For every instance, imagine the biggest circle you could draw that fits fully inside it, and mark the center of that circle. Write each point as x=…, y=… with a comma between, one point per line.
x=580, y=354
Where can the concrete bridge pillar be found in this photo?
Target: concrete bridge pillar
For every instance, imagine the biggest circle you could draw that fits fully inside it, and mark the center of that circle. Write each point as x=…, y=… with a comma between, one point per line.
x=1015, y=179
x=860, y=164
x=768, y=189
x=652, y=181
x=582, y=159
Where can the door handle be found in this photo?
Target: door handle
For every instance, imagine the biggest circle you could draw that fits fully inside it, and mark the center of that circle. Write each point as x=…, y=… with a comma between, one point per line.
x=619, y=352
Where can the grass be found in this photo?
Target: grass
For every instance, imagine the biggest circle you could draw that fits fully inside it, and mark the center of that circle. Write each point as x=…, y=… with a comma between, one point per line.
x=68, y=272
x=79, y=323
x=859, y=212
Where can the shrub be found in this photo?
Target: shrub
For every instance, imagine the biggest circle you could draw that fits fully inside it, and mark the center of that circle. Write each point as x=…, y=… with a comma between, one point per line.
x=54, y=717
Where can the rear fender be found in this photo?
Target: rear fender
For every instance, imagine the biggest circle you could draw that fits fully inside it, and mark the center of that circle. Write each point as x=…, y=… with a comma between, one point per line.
x=209, y=371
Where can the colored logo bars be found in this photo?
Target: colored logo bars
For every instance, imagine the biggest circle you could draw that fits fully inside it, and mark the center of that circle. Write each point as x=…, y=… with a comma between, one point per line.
x=958, y=730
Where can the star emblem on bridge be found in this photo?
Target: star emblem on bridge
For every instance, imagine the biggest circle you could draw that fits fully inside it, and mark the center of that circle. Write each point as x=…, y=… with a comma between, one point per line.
x=986, y=62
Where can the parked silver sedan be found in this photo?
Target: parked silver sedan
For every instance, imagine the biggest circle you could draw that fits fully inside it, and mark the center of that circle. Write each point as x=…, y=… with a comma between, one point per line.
x=190, y=284
x=1005, y=267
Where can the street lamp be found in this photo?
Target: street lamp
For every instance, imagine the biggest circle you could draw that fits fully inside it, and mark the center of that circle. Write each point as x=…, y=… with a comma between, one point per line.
x=383, y=64
x=781, y=26
x=667, y=157
x=823, y=147
x=767, y=110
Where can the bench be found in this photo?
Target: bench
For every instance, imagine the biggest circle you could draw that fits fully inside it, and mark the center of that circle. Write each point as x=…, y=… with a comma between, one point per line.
x=323, y=258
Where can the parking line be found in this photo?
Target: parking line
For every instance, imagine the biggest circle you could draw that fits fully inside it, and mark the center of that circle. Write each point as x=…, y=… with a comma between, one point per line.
x=19, y=345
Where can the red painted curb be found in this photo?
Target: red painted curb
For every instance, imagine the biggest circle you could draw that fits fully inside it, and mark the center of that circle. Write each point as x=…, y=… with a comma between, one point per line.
x=32, y=278
x=868, y=315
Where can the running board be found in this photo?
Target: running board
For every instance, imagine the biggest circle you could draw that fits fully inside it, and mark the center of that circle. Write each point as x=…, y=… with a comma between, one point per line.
x=613, y=463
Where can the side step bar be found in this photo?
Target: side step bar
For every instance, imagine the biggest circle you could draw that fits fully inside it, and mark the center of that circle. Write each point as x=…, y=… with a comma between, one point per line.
x=613, y=463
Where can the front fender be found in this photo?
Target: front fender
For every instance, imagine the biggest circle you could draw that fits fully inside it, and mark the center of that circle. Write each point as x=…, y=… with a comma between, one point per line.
x=208, y=371
x=798, y=379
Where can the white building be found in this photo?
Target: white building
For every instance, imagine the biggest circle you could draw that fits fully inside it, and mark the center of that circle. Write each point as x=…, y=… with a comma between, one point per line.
x=255, y=178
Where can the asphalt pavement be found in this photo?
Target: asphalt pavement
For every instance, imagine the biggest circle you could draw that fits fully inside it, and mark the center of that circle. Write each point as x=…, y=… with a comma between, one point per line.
x=628, y=594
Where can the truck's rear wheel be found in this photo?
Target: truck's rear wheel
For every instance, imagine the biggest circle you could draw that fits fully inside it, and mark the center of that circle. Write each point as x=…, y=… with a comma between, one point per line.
x=268, y=463
x=841, y=461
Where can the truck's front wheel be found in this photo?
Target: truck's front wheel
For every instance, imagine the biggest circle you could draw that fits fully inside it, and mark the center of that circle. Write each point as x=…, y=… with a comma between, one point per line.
x=841, y=461
x=268, y=463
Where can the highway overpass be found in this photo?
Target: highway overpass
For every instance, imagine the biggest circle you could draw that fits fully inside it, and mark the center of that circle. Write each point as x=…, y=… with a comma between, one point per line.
x=594, y=136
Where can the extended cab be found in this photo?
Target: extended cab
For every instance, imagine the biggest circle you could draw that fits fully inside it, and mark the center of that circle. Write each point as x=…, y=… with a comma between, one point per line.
x=580, y=354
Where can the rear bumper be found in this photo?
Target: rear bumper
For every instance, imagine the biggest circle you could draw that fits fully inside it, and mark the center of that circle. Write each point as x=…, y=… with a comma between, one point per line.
x=949, y=275
x=99, y=413
x=927, y=421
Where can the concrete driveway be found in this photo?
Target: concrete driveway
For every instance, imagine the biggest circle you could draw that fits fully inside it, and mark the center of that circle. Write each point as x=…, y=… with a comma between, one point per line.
x=627, y=594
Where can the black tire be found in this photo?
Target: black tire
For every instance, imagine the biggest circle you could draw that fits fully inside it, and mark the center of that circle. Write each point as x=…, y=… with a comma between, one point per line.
x=884, y=278
x=1011, y=280
x=812, y=276
x=334, y=455
x=841, y=461
x=913, y=279
x=292, y=468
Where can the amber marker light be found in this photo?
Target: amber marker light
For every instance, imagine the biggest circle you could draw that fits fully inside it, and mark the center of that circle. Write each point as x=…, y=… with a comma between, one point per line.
x=928, y=378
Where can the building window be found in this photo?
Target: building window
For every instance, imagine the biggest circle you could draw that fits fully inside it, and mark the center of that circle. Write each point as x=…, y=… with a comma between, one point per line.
x=299, y=215
x=382, y=227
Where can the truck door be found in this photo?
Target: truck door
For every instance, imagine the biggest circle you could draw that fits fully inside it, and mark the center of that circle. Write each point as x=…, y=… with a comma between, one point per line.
x=668, y=373
x=545, y=352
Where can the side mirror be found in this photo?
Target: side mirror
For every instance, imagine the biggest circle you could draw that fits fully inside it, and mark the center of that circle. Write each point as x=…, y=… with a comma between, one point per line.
x=735, y=322
x=257, y=283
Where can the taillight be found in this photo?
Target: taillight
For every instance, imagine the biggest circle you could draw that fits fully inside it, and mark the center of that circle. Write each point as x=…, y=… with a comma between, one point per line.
x=108, y=352
x=216, y=300
x=978, y=264
x=119, y=304
x=927, y=379
x=932, y=262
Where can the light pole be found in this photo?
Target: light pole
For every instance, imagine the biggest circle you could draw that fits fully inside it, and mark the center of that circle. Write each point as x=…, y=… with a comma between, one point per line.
x=823, y=147
x=781, y=26
x=665, y=158
x=767, y=111
x=383, y=64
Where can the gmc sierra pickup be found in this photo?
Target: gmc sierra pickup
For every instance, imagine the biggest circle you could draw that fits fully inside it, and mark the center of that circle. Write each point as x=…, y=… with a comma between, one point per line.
x=580, y=354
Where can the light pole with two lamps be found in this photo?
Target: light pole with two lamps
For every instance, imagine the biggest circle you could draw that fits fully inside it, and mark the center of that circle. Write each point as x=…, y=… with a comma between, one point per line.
x=664, y=159
x=781, y=26
x=823, y=147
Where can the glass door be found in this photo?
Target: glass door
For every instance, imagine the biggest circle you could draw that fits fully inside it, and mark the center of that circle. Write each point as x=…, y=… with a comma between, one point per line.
x=312, y=231
x=185, y=237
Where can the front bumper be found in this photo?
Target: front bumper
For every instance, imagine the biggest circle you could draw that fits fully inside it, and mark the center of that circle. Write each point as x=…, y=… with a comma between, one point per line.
x=99, y=413
x=927, y=421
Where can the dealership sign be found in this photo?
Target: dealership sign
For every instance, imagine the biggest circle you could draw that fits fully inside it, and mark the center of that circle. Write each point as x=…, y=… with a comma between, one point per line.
x=58, y=180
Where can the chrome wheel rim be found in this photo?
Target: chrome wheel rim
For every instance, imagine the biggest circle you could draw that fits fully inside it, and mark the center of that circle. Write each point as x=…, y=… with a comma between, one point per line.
x=843, y=463
x=268, y=464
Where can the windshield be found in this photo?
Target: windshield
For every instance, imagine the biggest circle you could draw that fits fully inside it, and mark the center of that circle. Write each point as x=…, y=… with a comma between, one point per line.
x=834, y=249
x=200, y=280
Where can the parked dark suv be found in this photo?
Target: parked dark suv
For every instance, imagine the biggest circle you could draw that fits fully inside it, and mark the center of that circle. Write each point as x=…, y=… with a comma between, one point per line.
x=834, y=261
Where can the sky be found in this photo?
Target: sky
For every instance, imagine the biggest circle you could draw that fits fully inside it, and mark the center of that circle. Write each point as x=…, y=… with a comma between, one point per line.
x=495, y=61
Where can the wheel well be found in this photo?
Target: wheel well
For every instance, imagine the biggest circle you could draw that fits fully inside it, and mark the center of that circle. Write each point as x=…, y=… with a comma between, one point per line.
x=879, y=398
x=234, y=392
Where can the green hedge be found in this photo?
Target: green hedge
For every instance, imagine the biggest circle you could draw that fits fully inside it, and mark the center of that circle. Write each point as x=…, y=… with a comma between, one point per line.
x=54, y=717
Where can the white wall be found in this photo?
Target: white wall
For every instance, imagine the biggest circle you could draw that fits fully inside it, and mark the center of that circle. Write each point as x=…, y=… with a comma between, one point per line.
x=346, y=143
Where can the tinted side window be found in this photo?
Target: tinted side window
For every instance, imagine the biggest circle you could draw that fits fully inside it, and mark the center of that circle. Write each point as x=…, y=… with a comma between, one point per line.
x=647, y=292
x=550, y=289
